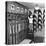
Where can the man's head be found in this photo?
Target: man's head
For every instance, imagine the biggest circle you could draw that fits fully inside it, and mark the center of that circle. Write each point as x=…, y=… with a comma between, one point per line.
x=30, y=14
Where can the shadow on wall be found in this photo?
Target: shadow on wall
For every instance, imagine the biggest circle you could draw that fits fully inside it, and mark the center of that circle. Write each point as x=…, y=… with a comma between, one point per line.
x=39, y=40
x=40, y=33
x=39, y=36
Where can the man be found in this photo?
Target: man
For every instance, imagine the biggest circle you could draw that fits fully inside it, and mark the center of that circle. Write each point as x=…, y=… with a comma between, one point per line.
x=30, y=31
x=30, y=22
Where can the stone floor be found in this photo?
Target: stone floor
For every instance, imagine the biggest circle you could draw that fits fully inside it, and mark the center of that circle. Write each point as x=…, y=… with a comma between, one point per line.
x=39, y=38
x=26, y=41
x=36, y=40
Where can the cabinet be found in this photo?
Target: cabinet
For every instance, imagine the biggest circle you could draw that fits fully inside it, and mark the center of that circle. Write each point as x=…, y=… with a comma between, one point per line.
x=16, y=31
x=17, y=22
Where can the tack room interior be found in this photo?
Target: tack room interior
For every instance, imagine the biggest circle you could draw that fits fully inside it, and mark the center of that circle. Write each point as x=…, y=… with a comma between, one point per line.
x=25, y=22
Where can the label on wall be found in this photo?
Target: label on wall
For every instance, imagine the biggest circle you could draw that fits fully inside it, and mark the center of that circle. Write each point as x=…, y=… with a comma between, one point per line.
x=25, y=10
x=11, y=7
x=17, y=9
x=22, y=10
